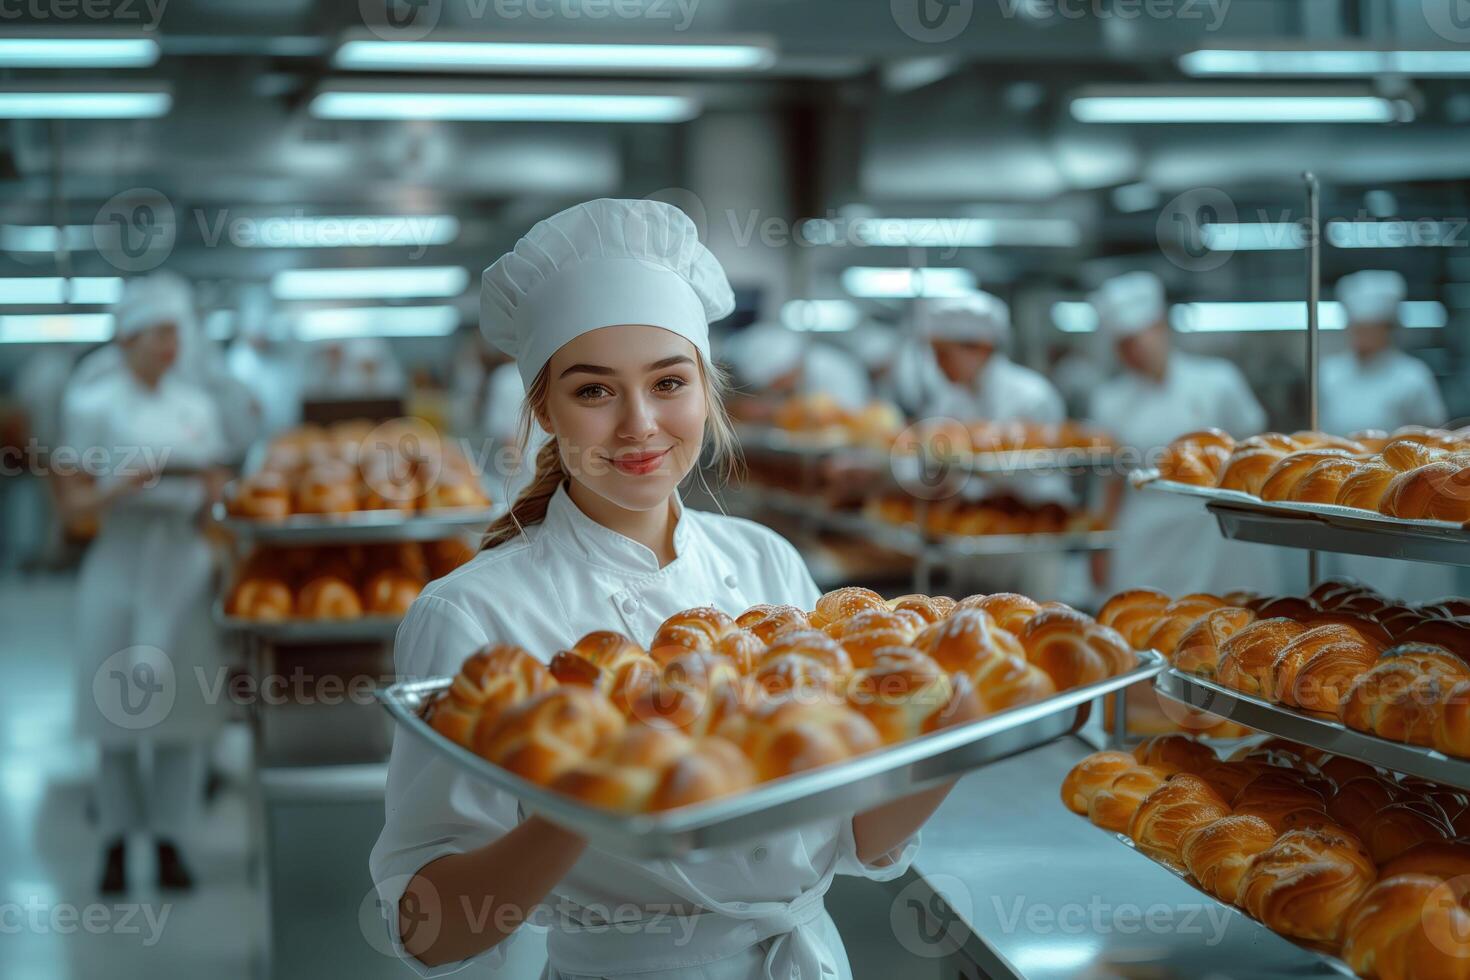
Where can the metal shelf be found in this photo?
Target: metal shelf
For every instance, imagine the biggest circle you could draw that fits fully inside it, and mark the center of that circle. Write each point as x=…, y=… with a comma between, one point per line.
x=364, y=629
x=358, y=527
x=1327, y=734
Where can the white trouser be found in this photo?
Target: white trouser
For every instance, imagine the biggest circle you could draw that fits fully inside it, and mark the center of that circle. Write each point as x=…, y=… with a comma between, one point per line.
x=160, y=799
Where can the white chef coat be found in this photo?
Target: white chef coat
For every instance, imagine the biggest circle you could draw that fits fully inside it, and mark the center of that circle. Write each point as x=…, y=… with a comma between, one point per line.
x=1392, y=389
x=568, y=576
x=826, y=370
x=1004, y=391
x=1172, y=543
x=273, y=379
x=146, y=577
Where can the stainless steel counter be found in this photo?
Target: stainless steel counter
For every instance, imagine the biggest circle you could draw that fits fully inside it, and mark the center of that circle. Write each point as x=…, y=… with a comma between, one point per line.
x=1009, y=878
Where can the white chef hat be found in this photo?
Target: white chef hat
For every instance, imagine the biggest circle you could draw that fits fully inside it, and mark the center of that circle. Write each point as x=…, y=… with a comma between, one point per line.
x=1129, y=304
x=599, y=264
x=153, y=300
x=1371, y=296
x=871, y=342
x=976, y=318
x=763, y=352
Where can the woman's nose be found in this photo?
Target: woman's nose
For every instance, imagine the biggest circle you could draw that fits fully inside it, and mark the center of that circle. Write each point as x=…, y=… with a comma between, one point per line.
x=639, y=420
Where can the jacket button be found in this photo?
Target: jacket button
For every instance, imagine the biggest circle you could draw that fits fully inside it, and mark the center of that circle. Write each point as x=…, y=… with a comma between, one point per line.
x=759, y=854
x=629, y=605
x=730, y=581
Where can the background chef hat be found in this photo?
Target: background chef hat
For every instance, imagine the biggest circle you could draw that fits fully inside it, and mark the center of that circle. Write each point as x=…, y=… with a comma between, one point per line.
x=1371, y=296
x=763, y=352
x=976, y=318
x=153, y=300
x=599, y=264
x=873, y=343
x=1129, y=304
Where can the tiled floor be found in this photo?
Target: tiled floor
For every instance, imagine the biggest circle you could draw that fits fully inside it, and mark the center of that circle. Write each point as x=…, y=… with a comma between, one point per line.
x=53, y=923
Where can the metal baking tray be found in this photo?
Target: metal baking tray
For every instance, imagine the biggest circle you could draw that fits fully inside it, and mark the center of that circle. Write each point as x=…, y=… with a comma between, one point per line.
x=975, y=545
x=358, y=527
x=364, y=629
x=808, y=445
x=1319, y=731
x=1067, y=460
x=848, y=787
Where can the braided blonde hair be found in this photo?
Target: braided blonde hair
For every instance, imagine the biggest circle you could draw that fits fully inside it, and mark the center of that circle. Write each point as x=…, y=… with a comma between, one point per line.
x=530, y=506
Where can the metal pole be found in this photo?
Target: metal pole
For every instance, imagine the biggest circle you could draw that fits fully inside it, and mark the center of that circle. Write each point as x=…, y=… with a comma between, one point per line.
x=1314, y=290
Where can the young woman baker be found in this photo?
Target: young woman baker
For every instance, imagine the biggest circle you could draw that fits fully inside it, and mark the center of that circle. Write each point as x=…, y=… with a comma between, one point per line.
x=606, y=308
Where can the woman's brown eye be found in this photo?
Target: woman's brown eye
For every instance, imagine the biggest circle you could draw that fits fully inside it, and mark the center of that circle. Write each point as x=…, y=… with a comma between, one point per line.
x=670, y=383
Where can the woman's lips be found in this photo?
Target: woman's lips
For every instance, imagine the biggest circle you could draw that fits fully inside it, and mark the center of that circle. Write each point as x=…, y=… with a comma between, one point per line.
x=637, y=464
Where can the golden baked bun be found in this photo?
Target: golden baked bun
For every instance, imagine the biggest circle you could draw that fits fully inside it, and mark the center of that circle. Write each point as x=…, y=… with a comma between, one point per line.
x=1246, y=657
x=1452, y=634
x=1133, y=613
x=863, y=647
x=623, y=776
x=1365, y=486
x=1408, y=453
x=1439, y=491
x=1229, y=778
x=1274, y=796
x=325, y=491
x=266, y=599
x=1322, y=483
x=1174, y=754
x=1316, y=439
x=1181, y=804
x=490, y=681
x=1198, y=649
x=804, y=677
x=389, y=487
x=1186, y=461
x=1315, y=670
x=390, y=592
x=1399, y=826
x=1112, y=807
x=812, y=644
x=930, y=608
x=1073, y=649
x=1305, y=883
x=454, y=489
x=266, y=496
x=696, y=692
x=905, y=622
x=1396, y=700
x=1008, y=681
x=610, y=663
x=783, y=736
x=1219, y=852
x=1450, y=729
x=1443, y=859
x=693, y=629
x=1176, y=618
x=965, y=639
x=543, y=737
x=1010, y=611
x=714, y=768
x=899, y=693
x=1409, y=925
x=1090, y=775
x=1284, y=476
x=1279, y=441
x=328, y=597
x=742, y=648
x=841, y=603
x=1246, y=469
x=767, y=621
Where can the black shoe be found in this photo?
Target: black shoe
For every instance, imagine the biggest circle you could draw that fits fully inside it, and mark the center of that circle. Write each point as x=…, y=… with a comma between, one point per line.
x=115, y=869
x=171, y=870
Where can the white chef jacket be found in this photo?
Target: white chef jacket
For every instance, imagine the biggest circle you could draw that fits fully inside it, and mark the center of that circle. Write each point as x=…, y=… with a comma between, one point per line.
x=826, y=370
x=1172, y=543
x=1392, y=389
x=1004, y=391
x=564, y=578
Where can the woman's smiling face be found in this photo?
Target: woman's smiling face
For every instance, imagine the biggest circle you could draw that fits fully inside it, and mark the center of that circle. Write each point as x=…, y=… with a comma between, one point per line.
x=627, y=405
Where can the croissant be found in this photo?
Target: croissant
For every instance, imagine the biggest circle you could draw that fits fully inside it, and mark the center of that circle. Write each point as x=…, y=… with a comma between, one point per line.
x=1359, y=799
x=965, y=639
x=1133, y=613
x=1169, y=812
x=1219, y=852
x=693, y=629
x=1399, y=826
x=1285, y=607
x=1285, y=475
x=1176, y=618
x=1366, y=485
x=1246, y=469
x=1340, y=769
x=1408, y=453
x=767, y=621
x=1443, y=859
x=1450, y=731
x=1174, y=754
x=489, y=681
x=1397, y=702
x=1090, y=775
x=267, y=599
x=1073, y=649
x=899, y=693
x=1184, y=461
x=1322, y=483
x=1113, y=806
x=784, y=736
x=1452, y=634
x=1229, y=778
x=1198, y=650
x=1439, y=491
x=1273, y=795
x=1316, y=668
x=545, y=736
x=842, y=603
x=1305, y=883
x=1246, y=658
x=1409, y=925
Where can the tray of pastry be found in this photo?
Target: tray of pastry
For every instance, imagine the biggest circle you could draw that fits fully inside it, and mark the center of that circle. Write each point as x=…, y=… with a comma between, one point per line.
x=1344, y=530
x=815, y=444
x=356, y=526
x=359, y=629
x=1318, y=730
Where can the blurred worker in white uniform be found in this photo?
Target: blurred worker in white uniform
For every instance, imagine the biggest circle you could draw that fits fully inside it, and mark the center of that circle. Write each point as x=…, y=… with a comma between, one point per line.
x=1164, y=542
x=1374, y=385
x=155, y=441
x=774, y=363
x=360, y=367
x=261, y=358
x=968, y=338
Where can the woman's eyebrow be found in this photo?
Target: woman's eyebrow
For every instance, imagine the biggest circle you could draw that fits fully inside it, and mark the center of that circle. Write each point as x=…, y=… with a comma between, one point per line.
x=669, y=362
x=607, y=371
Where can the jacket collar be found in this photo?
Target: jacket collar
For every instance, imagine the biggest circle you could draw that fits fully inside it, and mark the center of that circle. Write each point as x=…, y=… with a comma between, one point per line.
x=601, y=545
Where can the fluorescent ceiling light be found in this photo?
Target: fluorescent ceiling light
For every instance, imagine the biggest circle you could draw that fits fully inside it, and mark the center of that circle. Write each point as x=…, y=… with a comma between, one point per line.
x=895, y=283
x=65, y=328
x=967, y=232
x=1152, y=106
x=46, y=238
x=821, y=314
x=1323, y=62
x=550, y=56
x=1249, y=317
x=56, y=291
x=1253, y=236
x=377, y=321
x=403, y=283
x=506, y=104
x=220, y=325
x=1423, y=315
x=1074, y=316
x=1132, y=198
x=31, y=103
x=1396, y=234
x=351, y=231
x=78, y=52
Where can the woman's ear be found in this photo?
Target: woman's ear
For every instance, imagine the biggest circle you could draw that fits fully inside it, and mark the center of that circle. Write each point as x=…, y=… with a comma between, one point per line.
x=544, y=420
